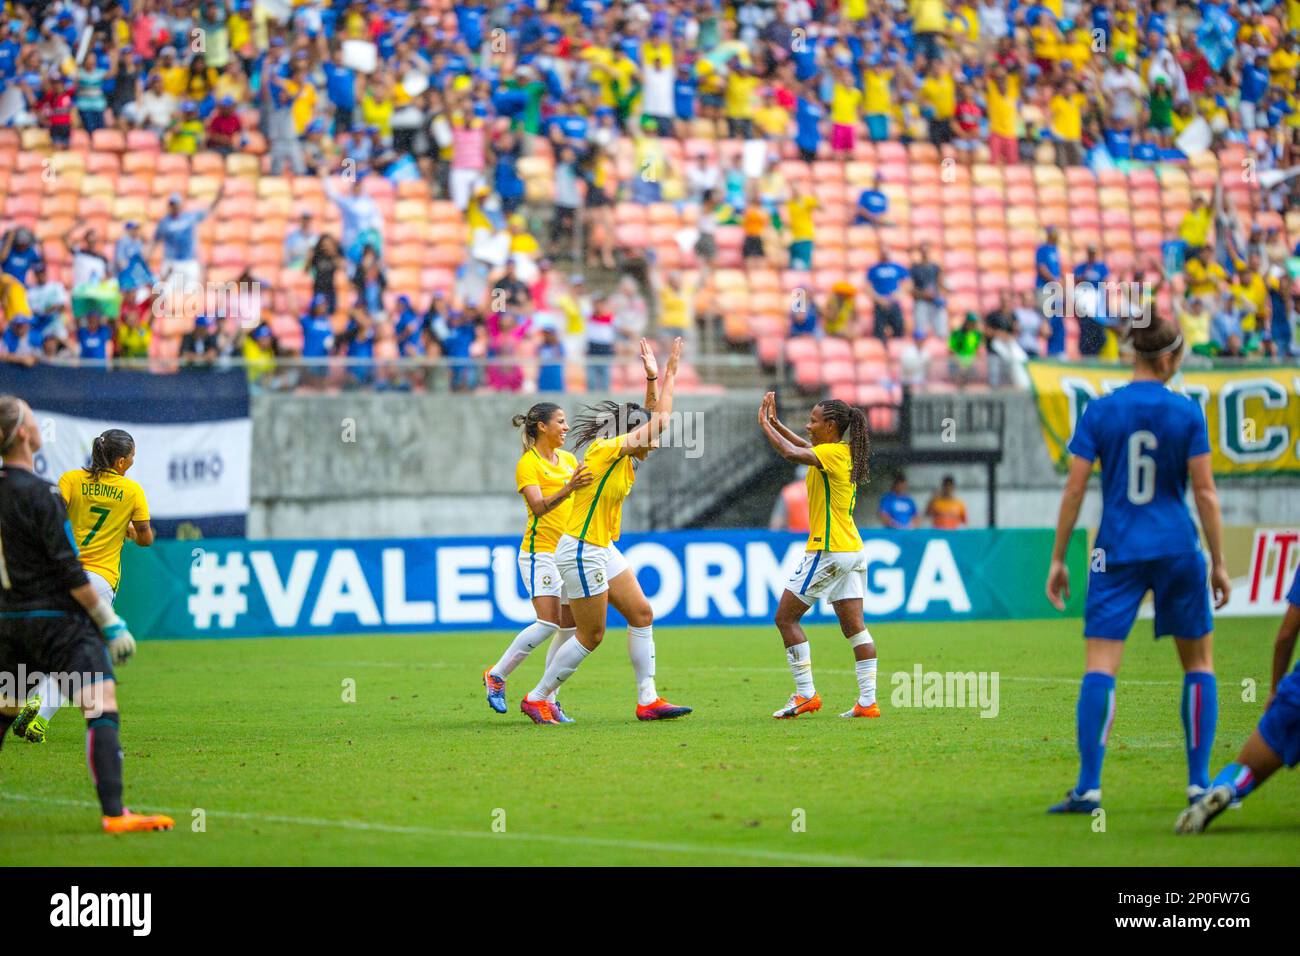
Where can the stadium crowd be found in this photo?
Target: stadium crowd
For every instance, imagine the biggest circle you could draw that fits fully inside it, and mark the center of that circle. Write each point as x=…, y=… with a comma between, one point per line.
x=464, y=97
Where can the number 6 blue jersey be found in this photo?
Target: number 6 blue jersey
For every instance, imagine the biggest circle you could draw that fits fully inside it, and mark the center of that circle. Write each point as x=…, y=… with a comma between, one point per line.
x=1144, y=434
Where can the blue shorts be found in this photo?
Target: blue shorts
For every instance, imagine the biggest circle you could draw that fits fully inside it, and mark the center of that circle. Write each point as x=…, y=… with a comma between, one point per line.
x=1280, y=725
x=1178, y=582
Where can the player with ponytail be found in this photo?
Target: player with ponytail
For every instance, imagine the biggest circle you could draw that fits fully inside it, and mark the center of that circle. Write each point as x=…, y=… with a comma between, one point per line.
x=546, y=476
x=836, y=452
x=595, y=572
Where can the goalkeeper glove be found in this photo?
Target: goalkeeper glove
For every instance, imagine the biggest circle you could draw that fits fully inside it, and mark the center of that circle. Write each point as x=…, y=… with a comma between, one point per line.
x=121, y=645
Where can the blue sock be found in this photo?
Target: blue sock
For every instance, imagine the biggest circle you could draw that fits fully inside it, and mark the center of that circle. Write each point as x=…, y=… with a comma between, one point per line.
x=1095, y=713
x=1237, y=776
x=1200, y=709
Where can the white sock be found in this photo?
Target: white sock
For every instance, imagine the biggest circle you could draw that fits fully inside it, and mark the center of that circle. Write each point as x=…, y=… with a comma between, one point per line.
x=557, y=642
x=866, y=681
x=566, y=661
x=799, y=656
x=525, y=642
x=51, y=698
x=641, y=648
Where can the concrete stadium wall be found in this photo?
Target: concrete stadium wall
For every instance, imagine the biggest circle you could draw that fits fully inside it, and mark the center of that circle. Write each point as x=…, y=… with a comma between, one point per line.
x=441, y=464
x=370, y=464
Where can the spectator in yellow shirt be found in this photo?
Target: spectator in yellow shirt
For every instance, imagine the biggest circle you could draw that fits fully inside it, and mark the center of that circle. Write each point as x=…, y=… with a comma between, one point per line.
x=846, y=106
x=938, y=96
x=1250, y=293
x=946, y=510
x=1194, y=230
x=878, y=100
x=799, y=219
x=1066, y=109
x=739, y=102
x=1003, y=96
x=1205, y=278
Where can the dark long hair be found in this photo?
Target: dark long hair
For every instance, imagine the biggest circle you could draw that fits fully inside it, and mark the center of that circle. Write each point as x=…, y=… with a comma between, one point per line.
x=607, y=419
x=539, y=414
x=851, y=422
x=1154, y=338
x=107, y=449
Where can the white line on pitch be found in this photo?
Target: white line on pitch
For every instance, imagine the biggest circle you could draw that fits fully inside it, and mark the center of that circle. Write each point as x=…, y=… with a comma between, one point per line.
x=649, y=846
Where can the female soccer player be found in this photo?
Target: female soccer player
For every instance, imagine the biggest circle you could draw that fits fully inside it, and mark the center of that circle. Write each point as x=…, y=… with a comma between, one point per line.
x=105, y=508
x=1275, y=742
x=836, y=454
x=1148, y=439
x=594, y=571
x=546, y=476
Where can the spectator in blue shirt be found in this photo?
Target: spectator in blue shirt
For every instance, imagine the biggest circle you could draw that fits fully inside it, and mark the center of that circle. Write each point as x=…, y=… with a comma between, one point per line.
x=1254, y=84
x=808, y=116
x=1090, y=302
x=550, y=356
x=341, y=88
x=897, y=508
x=20, y=338
x=872, y=206
x=1047, y=260
x=885, y=278
x=94, y=337
x=176, y=233
x=803, y=313
x=19, y=254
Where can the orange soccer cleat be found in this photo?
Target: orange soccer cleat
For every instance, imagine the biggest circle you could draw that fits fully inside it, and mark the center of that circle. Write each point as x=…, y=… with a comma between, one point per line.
x=797, y=705
x=660, y=709
x=538, y=710
x=860, y=711
x=130, y=822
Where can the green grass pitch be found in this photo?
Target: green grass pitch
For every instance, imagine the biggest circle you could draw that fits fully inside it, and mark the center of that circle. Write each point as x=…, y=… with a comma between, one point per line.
x=417, y=771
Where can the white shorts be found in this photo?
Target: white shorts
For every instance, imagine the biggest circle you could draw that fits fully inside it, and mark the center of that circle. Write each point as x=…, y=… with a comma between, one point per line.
x=587, y=569
x=541, y=576
x=832, y=575
x=102, y=588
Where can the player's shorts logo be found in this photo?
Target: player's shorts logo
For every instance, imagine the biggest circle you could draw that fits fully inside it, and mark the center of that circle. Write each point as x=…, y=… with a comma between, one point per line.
x=546, y=580
x=599, y=577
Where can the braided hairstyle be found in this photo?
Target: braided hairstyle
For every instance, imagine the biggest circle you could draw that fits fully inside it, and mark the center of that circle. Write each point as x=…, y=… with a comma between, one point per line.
x=539, y=414
x=607, y=419
x=107, y=449
x=851, y=422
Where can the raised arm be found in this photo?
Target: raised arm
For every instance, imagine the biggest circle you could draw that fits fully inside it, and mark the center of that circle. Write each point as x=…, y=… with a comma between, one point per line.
x=651, y=367
x=649, y=434
x=792, y=437
x=1076, y=486
x=798, y=450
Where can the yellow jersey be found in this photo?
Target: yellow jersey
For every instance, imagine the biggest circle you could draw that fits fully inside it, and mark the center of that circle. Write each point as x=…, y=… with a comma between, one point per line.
x=832, y=496
x=597, y=515
x=100, y=510
x=543, y=531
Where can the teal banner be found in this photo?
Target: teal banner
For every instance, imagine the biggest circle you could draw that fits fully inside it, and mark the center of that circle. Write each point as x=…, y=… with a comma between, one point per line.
x=238, y=588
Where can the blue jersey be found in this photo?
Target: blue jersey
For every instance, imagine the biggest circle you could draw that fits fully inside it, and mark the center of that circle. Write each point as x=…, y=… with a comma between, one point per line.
x=901, y=508
x=1293, y=596
x=1144, y=435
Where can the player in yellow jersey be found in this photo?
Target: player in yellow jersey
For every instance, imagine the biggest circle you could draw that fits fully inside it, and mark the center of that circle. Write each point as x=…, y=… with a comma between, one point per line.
x=595, y=572
x=546, y=476
x=832, y=567
x=104, y=508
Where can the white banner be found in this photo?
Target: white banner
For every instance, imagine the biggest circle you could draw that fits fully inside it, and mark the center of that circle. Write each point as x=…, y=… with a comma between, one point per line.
x=194, y=469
